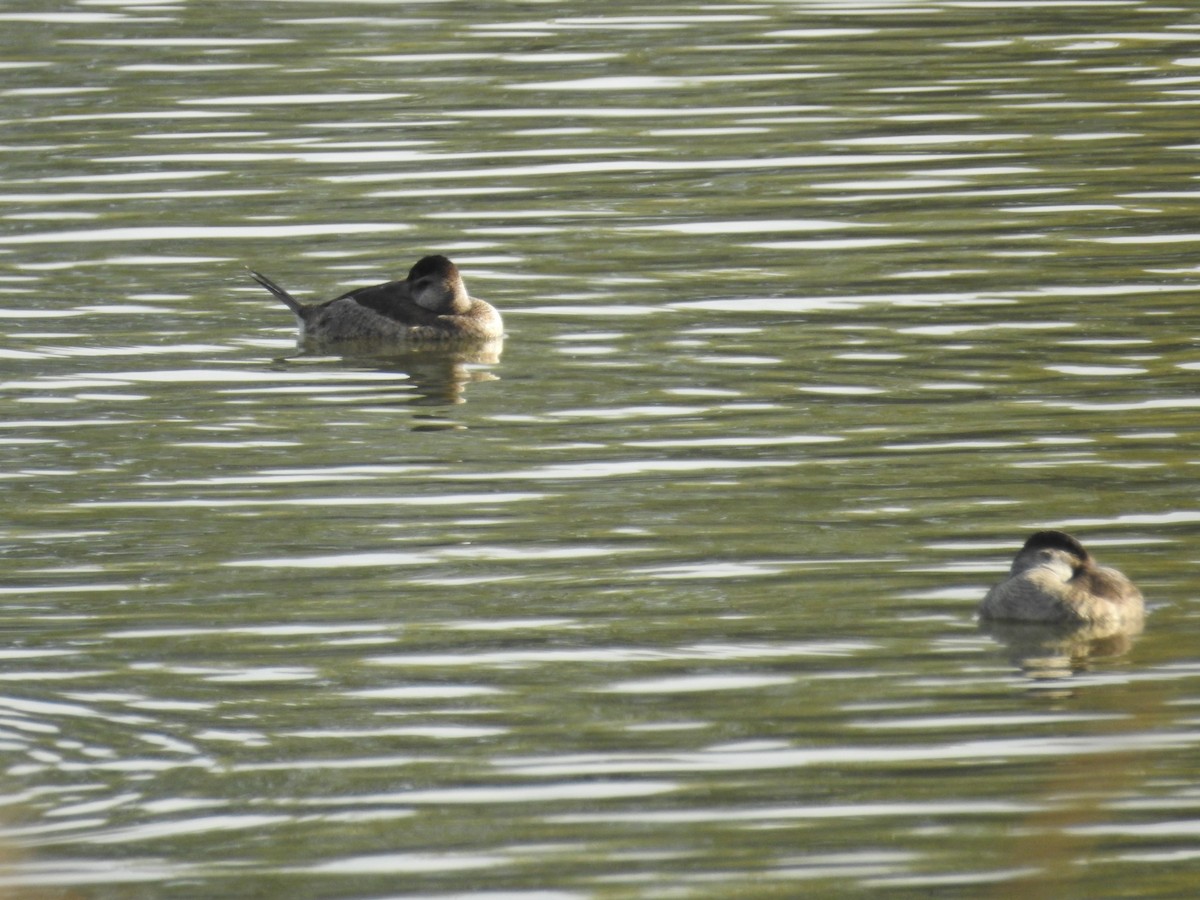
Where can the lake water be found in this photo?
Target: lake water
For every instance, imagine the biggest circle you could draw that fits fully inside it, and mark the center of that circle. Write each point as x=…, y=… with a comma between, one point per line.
x=814, y=310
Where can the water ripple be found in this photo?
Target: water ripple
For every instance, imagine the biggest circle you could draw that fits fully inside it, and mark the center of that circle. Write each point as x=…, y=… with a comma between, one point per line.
x=718, y=759
x=816, y=311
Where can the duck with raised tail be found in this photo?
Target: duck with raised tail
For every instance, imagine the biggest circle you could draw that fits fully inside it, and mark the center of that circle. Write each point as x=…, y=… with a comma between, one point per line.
x=1054, y=580
x=430, y=306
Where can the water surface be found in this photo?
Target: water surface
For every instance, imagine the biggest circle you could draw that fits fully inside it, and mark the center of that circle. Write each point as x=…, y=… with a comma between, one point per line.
x=814, y=311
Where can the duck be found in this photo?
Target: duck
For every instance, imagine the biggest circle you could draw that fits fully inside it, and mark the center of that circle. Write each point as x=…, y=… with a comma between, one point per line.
x=1055, y=581
x=431, y=305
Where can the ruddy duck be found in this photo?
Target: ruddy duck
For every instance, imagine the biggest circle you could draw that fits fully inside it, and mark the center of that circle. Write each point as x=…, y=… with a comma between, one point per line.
x=430, y=305
x=1054, y=580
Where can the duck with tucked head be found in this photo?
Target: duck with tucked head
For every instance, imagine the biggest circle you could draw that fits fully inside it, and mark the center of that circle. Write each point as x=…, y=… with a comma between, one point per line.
x=1055, y=581
x=431, y=306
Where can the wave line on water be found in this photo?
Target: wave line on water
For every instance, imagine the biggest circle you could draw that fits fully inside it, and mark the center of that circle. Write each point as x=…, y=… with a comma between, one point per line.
x=719, y=759
x=618, y=166
x=785, y=813
x=199, y=232
x=473, y=500
x=475, y=553
x=625, y=654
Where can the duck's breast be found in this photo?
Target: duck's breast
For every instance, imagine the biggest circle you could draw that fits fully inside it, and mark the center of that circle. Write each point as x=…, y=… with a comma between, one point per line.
x=1035, y=595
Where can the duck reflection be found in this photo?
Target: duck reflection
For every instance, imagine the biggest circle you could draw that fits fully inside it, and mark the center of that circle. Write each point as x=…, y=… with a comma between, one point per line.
x=1057, y=608
x=438, y=375
x=1047, y=651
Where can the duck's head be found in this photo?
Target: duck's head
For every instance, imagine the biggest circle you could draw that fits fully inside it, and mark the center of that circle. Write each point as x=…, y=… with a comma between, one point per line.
x=436, y=285
x=1055, y=550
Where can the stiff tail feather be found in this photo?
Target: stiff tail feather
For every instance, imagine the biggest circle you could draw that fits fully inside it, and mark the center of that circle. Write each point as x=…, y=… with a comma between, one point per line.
x=293, y=304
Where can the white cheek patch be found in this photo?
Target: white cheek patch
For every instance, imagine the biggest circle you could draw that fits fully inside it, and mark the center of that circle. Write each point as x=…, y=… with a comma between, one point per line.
x=427, y=300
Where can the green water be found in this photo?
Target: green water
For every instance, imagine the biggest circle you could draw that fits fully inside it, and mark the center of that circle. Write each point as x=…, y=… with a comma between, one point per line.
x=814, y=312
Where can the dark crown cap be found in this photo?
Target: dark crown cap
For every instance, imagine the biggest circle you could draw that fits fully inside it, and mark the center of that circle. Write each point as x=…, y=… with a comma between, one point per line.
x=1056, y=540
x=432, y=265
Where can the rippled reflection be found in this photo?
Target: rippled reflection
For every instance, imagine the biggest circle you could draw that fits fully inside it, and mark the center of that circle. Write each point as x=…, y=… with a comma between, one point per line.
x=1046, y=652
x=439, y=376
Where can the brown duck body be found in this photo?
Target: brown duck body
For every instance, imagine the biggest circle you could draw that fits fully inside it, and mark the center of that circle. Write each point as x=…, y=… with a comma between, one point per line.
x=1054, y=580
x=431, y=305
